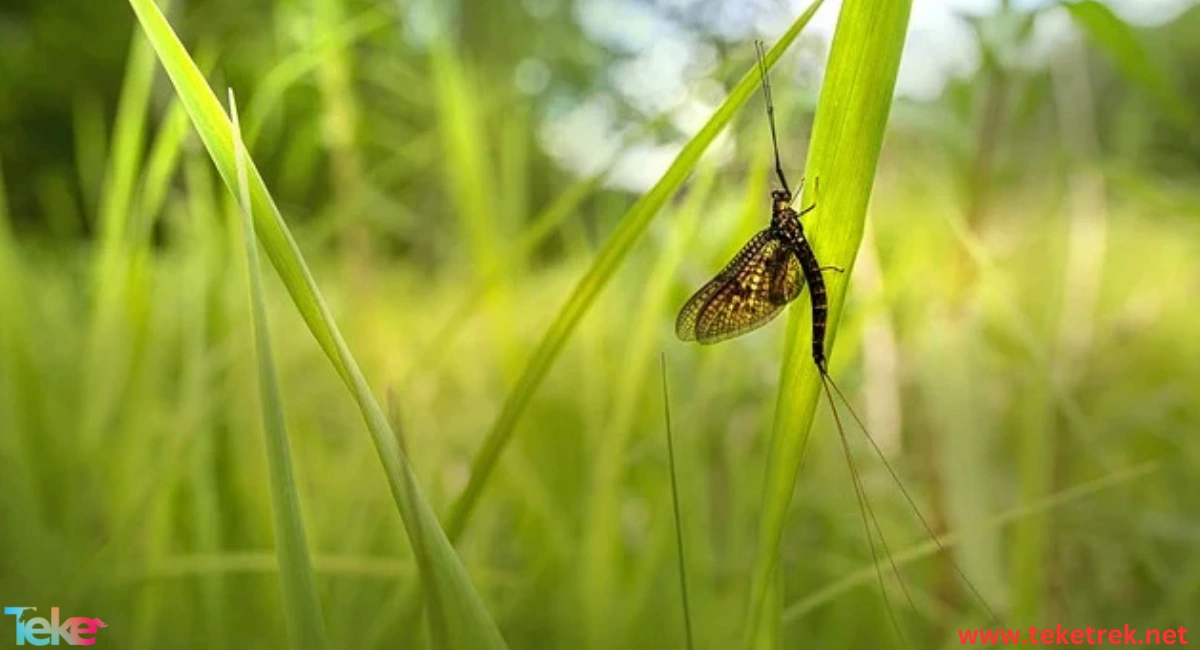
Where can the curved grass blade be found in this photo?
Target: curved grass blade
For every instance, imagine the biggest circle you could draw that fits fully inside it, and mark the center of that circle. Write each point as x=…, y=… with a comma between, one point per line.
x=302, y=607
x=855, y=99
x=630, y=229
x=469, y=625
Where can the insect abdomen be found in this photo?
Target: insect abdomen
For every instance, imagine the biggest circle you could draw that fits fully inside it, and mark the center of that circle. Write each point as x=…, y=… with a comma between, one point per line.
x=820, y=303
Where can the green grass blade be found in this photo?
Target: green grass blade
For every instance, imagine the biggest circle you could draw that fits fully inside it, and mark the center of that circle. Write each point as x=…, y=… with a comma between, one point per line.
x=1120, y=41
x=90, y=129
x=437, y=617
x=161, y=166
x=129, y=136
x=600, y=561
x=680, y=555
x=16, y=379
x=614, y=251
x=302, y=607
x=283, y=76
x=541, y=226
x=847, y=135
x=108, y=353
x=469, y=625
x=7, y=242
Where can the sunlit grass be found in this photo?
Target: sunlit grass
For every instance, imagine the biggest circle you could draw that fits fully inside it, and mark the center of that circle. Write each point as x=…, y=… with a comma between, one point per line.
x=525, y=551
x=161, y=524
x=302, y=607
x=847, y=138
x=461, y=620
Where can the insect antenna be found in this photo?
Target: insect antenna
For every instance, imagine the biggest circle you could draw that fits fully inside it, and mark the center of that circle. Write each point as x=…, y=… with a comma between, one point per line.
x=766, y=87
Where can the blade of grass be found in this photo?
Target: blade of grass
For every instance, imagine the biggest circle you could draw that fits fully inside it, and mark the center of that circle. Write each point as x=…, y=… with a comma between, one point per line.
x=129, y=136
x=10, y=264
x=108, y=350
x=550, y=219
x=441, y=343
x=614, y=251
x=681, y=557
x=1119, y=40
x=600, y=560
x=855, y=99
x=161, y=165
x=470, y=626
x=302, y=607
x=473, y=188
x=284, y=75
x=90, y=129
x=437, y=617
x=340, y=128
x=14, y=343
x=23, y=399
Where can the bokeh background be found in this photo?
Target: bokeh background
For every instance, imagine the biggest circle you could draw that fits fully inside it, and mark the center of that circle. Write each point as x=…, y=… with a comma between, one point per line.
x=1020, y=335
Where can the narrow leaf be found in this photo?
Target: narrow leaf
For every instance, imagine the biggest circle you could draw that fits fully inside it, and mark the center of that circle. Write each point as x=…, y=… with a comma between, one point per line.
x=630, y=229
x=302, y=607
x=856, y=97
x=473, y=627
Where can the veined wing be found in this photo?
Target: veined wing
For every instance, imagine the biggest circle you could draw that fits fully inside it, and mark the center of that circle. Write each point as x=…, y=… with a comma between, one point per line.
x=751, y=290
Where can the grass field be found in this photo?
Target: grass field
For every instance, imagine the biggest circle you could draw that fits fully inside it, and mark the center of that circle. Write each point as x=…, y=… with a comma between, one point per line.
x=1032, y=377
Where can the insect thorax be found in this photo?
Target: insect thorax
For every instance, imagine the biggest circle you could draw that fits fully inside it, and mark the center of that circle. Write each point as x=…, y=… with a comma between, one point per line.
x=787, y=220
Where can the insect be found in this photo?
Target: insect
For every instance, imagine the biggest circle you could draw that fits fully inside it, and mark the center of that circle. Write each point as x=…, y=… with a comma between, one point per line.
x=768, y=273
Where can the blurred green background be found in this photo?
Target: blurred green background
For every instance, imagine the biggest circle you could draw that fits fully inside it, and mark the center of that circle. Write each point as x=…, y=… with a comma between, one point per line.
x=1020, y=335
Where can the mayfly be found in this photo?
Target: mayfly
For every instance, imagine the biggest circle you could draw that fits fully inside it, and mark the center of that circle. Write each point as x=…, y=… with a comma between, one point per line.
x=768, y=273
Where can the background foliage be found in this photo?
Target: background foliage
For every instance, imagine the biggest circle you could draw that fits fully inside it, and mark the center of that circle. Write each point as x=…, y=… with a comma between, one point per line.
x=1019, y=332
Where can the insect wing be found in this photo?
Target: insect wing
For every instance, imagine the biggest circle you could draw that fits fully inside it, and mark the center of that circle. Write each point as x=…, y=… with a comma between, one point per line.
x=787, y=279
x=762, y=278
x=689, y=316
